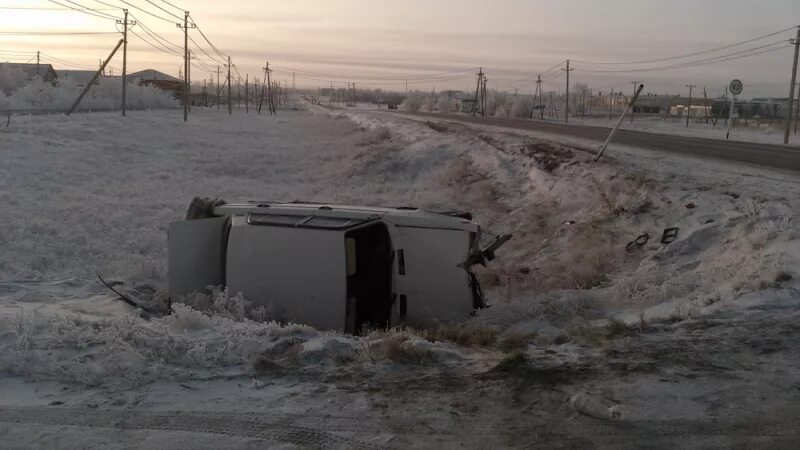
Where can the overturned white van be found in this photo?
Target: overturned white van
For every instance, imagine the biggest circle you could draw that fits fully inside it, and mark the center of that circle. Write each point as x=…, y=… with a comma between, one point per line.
x=342, y=268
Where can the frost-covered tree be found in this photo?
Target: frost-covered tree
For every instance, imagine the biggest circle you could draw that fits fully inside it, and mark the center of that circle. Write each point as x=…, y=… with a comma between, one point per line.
x=11, y=79
x=412, y=102
x=445, y=104
x=522, y=106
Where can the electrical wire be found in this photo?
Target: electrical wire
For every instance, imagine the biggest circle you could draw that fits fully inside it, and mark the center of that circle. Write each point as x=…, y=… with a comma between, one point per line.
x=157, y=37
x=376, y=78
x=673, y=58
x=161, y=49
x=727, y=57
x=54, y=33
x=146, y=11
x=162, y=9
x=84, y=9
x=213, y=47
x=39, y=8
x=170, y=4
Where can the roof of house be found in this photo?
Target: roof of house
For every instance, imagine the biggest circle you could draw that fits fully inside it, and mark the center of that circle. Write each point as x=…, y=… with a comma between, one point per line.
x=31, y=70
x=152, y=75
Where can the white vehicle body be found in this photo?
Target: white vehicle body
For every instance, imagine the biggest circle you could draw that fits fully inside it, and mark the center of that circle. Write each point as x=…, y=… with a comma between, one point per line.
x=333, y=267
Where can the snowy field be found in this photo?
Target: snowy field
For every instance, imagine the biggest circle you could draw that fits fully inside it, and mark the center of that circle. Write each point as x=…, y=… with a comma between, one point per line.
x=687, y=345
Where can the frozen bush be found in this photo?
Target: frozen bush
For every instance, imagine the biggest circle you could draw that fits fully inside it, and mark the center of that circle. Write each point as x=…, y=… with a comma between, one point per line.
x=105, y=95
x=11, y=79
x=522, y=107
x=445, y=104
x=412, y=103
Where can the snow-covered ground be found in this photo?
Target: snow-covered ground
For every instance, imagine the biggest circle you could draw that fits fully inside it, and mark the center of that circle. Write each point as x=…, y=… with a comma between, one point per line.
x=691, y=344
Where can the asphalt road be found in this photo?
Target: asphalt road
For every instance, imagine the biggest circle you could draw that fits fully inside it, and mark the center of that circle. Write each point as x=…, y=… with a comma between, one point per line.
x=776, y=156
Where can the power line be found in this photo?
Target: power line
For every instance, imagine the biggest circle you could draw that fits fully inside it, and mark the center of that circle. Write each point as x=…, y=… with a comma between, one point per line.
x=157, y=37
x=170, y=4
x=727, y=57
x=162, y=9
x=84, y=9
x=672, y=58
x=146, y=11
x=54, y=33
x=161, y=49
x=213, y=47
x=375, y=78
x=39, y=8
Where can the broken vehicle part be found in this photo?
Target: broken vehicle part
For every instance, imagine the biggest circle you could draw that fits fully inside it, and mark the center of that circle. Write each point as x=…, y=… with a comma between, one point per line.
x=638, y=242
x=669, y=236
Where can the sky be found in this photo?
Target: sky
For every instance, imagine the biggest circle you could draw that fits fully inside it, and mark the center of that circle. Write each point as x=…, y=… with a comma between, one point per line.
x=436, y=44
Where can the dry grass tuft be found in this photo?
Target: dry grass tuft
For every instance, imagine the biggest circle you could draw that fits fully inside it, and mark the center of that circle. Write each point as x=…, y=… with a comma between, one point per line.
x=467, y=336
x=398, y=348
x=515, y=341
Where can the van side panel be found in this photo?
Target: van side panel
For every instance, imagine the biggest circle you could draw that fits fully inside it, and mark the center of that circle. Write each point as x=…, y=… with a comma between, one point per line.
x=436, y=288
x=196, y=256
x=299, y=273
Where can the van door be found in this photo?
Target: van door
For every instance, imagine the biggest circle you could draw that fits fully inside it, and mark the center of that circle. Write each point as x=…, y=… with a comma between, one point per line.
x=369, y=278
x=431, y=283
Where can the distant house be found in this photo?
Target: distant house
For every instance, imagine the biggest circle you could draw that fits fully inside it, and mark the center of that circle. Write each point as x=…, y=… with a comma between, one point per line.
x=158, y=79
x=44, y=71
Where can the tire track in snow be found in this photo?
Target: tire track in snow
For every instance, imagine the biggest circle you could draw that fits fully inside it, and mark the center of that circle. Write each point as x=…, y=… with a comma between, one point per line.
x=313, y=432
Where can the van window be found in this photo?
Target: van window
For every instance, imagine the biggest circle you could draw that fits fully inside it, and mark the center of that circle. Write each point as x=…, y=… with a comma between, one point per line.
x=318, y=222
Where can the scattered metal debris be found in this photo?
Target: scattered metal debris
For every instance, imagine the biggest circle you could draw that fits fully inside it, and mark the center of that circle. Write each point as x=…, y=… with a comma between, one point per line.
x=669, y=236
x=638, y=242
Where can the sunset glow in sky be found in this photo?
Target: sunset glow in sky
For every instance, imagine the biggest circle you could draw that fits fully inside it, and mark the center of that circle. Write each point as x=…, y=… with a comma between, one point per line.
x=330, y=40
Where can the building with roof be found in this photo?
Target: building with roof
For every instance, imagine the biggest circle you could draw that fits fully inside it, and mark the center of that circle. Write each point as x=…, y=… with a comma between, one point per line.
x=32, y=70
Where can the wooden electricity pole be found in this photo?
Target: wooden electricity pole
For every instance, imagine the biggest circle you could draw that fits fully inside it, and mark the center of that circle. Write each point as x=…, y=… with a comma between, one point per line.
x=124, y=24
x=271, y=100
x=689, y=109
x=796, y=43
x=185, y=28
x=94, y=78
x=566, y=110
x=633, y=108
x=230, y=96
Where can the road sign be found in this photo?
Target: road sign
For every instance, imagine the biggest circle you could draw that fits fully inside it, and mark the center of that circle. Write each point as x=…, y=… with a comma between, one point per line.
x=736, y=87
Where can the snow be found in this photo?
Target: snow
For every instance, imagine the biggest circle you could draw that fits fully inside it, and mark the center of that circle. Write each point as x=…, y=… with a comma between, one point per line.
x=19, y=94
x=706, y=318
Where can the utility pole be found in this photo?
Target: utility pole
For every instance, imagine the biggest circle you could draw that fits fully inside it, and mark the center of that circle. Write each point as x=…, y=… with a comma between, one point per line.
x=633, y=107
x=566, y=111
x=230, y=97
x=39, y=54
x=689, y=109
x=124, y=24
x=189, y=80
x=219, y=87
x=185, y=27
x=246, y=93
x=796, y=43
x=261, y=97
x=269, y=93
x=797, y=113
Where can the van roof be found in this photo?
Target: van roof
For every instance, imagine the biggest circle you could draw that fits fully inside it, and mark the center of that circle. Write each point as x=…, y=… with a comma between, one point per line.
x=401, y=216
